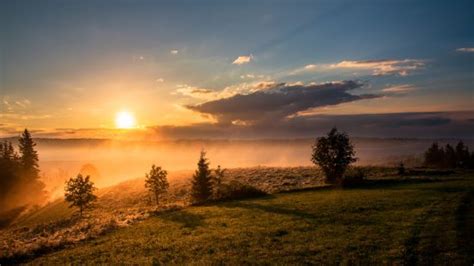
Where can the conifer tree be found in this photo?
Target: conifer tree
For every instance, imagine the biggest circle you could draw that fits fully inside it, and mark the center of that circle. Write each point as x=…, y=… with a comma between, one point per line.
x=28, y=156
x=201, y=189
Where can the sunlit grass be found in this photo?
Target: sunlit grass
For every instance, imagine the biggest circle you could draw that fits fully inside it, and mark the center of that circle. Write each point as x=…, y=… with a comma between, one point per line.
x=384, y=224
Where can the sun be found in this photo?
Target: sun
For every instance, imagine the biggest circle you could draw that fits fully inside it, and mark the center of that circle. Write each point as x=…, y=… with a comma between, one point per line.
x=124, y=120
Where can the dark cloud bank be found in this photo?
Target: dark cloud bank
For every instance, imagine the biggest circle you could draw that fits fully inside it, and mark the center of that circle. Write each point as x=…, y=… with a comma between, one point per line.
x=457, y=125
x=270, y=113
x=280, y=101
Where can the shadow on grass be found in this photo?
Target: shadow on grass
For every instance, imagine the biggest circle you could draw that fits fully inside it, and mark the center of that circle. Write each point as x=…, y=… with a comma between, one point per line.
x=277, y=209
x=464, y=228
x=185, y=218
x=7, y=217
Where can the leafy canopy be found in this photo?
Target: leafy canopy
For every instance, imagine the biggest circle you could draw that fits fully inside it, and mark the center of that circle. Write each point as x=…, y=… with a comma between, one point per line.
x=333, y=153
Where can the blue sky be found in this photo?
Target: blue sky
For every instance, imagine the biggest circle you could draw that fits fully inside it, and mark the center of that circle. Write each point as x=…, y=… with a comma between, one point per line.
x=74, y=64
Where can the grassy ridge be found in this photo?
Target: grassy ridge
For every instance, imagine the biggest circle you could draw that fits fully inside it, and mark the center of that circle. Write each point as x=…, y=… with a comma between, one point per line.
x=391, y=223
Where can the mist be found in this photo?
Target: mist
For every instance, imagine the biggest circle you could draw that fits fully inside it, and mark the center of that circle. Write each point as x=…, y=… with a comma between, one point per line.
x=113, y=161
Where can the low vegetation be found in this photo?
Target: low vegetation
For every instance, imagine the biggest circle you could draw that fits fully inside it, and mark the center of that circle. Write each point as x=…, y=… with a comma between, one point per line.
x=388, y=223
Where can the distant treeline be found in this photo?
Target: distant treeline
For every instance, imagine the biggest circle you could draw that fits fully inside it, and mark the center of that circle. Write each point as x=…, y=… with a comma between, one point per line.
x=449, y=156
x=19, y=174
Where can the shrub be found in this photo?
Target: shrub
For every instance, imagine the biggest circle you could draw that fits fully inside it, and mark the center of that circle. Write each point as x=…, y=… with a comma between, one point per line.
x=401, y=169
x=236, y=190
x=354, y=176
x=333, y=153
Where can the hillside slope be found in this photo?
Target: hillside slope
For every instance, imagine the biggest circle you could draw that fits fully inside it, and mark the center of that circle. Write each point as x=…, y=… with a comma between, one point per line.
x=425, y=222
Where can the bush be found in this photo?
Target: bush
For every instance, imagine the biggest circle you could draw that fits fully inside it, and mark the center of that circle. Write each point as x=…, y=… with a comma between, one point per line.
x=333, y=153
x=401, y=169
x=354, y=176
x=237, y=190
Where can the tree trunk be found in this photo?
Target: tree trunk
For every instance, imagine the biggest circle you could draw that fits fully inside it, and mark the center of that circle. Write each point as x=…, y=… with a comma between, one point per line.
x=157, y=196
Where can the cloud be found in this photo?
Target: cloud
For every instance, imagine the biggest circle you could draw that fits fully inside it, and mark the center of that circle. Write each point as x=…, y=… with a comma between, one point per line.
x=174, y=52
x=386, y=125
x=195, y=92
x=160, y=80
x=466, y=50
x=382, y=67
x=243, y=59
x=277, y=101
x=208, y=94
x=376, y=67
x=404, y=88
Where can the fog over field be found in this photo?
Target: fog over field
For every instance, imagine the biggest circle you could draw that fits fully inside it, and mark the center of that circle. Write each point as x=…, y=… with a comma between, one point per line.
x=112, y=161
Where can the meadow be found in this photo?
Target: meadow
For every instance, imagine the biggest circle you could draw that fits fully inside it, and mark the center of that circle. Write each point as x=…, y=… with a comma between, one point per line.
x=423, y=218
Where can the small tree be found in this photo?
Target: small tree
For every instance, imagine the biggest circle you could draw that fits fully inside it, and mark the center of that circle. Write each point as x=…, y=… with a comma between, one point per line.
x=462, y=155
x=217, y=180
x=156, y=182
x=449, y=157
x=79, y=192
x=434, y=156
x=201, y=188
x=333, y=153
x=401, y=169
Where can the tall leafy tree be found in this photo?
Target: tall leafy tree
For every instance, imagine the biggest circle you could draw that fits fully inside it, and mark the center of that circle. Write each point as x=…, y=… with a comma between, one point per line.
x=201, y=189
x=156, y=182
x=333, y=153
x=79, y=192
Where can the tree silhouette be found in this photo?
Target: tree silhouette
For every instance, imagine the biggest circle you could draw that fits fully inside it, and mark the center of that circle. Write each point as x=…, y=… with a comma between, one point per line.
x=434, y=156
x=201, y=188
x=156, y=182
x=79, y=192
x=217, y=181
x=462, y=155
x=29, y=168
x=9, y=169
x=333, y=153
x=28, y=155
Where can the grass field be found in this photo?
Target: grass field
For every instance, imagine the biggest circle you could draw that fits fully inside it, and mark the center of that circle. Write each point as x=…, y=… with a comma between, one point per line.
x=428, y=222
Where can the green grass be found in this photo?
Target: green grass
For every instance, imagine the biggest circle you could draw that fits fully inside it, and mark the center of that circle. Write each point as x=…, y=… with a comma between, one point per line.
x=393, y=223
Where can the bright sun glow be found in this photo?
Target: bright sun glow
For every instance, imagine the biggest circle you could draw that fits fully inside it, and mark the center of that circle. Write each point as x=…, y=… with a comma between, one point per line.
x=124, y=119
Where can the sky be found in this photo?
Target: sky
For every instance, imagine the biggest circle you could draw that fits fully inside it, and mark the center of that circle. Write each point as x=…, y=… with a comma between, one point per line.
x=237, y=69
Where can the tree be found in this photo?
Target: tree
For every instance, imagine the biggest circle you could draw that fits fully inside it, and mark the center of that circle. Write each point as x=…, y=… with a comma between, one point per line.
x=9, y=168
x=29, y=169
x=201, y=188
x=449, y=157
x=401, y=169
x=79, y=192
x=434, y=156
x=217, y=180
x=462, y=155
x=333, y=153
x=156, y=182
x=28, y=155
